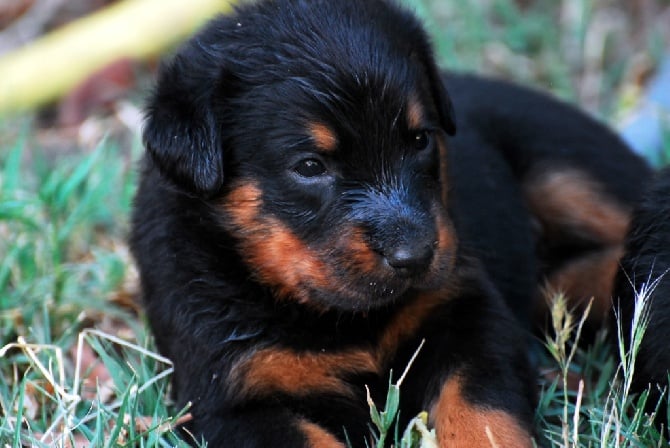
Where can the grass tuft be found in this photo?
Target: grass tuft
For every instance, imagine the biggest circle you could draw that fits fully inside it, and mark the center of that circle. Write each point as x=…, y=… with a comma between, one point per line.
x=598, y=411
x=65, y=266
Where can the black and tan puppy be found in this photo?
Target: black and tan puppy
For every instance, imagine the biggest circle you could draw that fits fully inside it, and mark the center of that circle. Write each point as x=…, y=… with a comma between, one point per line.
x=304, y=222
x=645, y=275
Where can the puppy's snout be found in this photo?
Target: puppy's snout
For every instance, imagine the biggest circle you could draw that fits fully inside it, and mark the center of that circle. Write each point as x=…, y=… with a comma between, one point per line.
x=400, y=227
x=410, y=260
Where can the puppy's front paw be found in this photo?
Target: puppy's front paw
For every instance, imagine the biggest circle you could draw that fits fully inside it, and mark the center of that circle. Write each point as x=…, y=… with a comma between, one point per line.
x=462, y=424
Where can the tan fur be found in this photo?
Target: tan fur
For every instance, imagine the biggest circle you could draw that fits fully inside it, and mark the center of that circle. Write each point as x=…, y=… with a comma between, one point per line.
x=279, y=257
x=460, y=424
x=324, y=137
x=317, y=437
x=589, y=277
x=415, y=113
x=570, y=200
x=301, y=373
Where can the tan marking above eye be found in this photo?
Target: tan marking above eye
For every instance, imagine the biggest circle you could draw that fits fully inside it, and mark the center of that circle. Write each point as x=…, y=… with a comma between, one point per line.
x=323, y=136
x=415, y=113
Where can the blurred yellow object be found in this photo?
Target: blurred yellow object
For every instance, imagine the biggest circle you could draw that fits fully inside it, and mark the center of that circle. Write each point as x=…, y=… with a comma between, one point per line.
x=51, y=66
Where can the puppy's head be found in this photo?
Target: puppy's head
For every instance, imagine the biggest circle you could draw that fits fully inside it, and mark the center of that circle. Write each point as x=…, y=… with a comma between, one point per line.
x=316, y=130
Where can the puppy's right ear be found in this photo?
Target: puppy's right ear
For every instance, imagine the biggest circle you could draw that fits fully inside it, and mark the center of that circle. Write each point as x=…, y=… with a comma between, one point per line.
x=182, y=131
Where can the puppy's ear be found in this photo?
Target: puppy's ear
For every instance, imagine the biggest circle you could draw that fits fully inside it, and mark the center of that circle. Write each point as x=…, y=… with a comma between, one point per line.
x=182, y=131
x=436, y=87
x=442, y=100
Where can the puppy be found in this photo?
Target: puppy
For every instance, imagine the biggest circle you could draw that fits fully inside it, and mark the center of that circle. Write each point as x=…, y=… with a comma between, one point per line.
x=306, y=217
x=645, y=273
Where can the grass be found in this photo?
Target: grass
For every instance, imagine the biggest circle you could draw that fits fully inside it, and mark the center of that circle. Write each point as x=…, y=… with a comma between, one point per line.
x=65, y=272
x=600, y=412
x=62, y=227
x=587, y=51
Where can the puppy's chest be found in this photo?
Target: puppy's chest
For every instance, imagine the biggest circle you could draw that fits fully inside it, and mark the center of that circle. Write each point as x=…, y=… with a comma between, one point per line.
x=333, y=357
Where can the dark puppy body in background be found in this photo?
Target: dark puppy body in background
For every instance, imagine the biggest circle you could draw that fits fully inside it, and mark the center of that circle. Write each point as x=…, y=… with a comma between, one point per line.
x=645, y=269
x=303, y=222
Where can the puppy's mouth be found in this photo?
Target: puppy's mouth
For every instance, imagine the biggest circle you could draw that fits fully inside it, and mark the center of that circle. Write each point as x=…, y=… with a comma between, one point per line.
x=353, y=289
x=365, y=278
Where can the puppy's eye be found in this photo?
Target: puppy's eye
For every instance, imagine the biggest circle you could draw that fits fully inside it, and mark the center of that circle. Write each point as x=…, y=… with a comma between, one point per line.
x=421, y=140
x=310, y=168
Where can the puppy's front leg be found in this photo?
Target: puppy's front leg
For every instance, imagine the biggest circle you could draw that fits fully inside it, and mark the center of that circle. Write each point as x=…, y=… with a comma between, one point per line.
x=473, y=371
x=264, y=426
x=460, y=422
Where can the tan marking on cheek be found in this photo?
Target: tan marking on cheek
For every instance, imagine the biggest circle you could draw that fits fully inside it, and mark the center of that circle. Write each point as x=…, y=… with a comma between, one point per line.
x=286, y=262
x=415, y=113
x=275, y=254
x=317, y=437
x=360, y=257
x=324, y=137
x=445, y=251
x=446, y=236
x=570, y=201
x=270, y=371
x=242, y=205
x=460, y=424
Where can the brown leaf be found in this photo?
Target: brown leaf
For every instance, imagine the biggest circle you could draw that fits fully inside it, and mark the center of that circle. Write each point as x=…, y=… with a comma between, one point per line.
x=11, y=10
x=144, y=424
x=96, y=379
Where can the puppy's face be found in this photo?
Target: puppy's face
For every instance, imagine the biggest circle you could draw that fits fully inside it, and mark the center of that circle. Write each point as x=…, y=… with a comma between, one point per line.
x=338, y=201
x=320, y=154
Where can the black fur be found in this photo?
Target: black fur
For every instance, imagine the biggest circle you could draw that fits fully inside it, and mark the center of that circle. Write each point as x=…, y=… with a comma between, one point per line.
x=253, y=238
x=646, y=268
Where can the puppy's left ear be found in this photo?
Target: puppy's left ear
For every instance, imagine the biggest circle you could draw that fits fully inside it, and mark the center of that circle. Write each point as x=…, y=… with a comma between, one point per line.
x=183, y=129
x=436, y=88
x=442, y=100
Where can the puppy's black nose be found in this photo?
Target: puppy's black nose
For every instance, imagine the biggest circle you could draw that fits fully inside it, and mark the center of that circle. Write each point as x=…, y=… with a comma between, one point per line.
x=410, y=260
